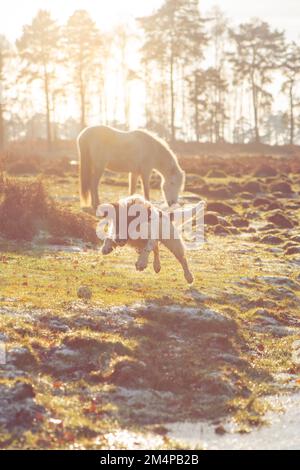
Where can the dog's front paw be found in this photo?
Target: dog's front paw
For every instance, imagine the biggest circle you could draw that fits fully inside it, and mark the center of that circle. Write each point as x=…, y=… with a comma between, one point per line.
x=141, y=265
x=189, y=277
x=156, y=267
x=106, y=250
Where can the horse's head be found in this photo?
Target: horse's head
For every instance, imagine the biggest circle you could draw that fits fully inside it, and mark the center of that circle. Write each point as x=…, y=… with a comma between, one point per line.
x=173, y=184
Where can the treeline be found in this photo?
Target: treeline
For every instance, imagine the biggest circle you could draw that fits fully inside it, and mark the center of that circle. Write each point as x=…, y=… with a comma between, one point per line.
x=185, y=76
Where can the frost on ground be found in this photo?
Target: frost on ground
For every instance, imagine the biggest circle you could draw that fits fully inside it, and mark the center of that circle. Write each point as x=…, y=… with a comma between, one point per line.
x=108, y=373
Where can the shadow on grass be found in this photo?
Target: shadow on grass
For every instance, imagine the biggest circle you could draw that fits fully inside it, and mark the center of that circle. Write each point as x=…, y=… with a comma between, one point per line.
x=187, y=363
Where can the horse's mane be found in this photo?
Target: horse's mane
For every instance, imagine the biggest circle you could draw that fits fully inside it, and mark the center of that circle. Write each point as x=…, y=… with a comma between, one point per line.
x=162, y=144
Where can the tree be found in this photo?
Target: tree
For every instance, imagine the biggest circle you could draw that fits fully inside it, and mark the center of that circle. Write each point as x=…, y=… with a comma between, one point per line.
x=219, y=38
x=39, y=49
x=291, y=72
x=4, y=54
x=82, y=43
x=173, y=35
x=258, y=53
x=124, y=38
x=209, y=112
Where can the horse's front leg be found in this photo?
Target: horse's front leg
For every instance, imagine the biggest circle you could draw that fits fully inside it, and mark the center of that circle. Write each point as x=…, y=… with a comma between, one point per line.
x=143, y=258
x=133, y=179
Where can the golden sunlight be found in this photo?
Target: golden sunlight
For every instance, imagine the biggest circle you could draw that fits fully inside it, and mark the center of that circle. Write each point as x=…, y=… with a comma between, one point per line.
x=149, y=228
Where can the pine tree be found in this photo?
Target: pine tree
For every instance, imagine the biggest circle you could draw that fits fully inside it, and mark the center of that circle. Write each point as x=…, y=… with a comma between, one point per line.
x=39, y=50
x=291, y=72
x=258, y=53
x=173, y=35
x=5, y=51
x=82, y=41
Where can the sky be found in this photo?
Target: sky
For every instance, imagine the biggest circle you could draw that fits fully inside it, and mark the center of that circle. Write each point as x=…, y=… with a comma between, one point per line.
x=14, y=13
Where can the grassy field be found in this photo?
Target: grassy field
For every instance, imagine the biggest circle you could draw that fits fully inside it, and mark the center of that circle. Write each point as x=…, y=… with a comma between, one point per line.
x=148, y=350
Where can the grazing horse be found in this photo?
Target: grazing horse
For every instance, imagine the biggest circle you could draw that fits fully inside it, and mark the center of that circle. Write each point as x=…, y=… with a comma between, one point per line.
x=137, y=152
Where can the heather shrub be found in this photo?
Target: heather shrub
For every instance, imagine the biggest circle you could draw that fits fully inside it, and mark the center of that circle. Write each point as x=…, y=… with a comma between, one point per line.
x=26, y=208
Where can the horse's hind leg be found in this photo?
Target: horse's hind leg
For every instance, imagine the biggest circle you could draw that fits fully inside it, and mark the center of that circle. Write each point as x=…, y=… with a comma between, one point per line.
x=133, y=179
x=97, y=173
x=146, y=185
x=94, y=191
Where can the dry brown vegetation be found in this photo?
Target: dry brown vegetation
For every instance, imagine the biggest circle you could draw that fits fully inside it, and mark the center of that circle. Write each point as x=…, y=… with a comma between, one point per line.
x=26, y=209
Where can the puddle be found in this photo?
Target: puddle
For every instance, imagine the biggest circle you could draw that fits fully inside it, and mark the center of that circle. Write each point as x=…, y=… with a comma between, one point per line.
x=282, y=432
x=125, y=439
x=65, y=248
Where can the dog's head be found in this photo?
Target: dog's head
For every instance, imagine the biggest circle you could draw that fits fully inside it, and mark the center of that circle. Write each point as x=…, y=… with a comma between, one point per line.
x=125, y=218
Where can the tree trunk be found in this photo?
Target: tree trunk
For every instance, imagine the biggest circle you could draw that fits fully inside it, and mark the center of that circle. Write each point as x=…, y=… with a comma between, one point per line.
x=1, y=126
x=255, y=109
x=147, y=93
x=47, y=102
x=292, y=119
x=82, y=108
x=173, y=131
x=196, y=109
x=1, y=104
x=82, y=102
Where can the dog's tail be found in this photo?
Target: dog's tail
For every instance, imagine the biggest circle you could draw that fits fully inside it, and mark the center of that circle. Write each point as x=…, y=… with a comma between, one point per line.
x=85, y=174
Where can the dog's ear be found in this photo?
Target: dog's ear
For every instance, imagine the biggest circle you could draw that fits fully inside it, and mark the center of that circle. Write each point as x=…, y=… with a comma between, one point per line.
x=105, y=210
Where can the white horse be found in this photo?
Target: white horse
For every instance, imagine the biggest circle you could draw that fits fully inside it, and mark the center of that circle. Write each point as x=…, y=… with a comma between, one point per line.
x=137, y=152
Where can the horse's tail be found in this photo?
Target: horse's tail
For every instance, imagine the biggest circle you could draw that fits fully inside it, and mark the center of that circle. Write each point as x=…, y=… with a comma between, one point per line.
x=85, y=174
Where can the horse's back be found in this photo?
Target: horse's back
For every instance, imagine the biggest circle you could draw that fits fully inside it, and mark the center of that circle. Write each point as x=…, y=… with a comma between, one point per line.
x=121, y=151
x=103, y=134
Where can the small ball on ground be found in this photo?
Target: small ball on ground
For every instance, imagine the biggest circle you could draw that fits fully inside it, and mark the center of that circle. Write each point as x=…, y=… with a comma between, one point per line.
x=84, y=292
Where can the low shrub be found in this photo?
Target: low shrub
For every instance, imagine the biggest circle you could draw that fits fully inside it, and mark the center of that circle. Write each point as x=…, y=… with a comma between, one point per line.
x=22, y=167
x=26, y=208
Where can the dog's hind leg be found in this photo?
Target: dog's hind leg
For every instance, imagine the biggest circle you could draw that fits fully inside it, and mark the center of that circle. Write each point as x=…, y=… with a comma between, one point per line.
x=176, y=247
x=143, y=258
x=156, y=261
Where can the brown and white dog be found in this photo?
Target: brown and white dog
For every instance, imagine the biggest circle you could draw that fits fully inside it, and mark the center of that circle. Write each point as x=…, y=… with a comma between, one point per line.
x=143, y=239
